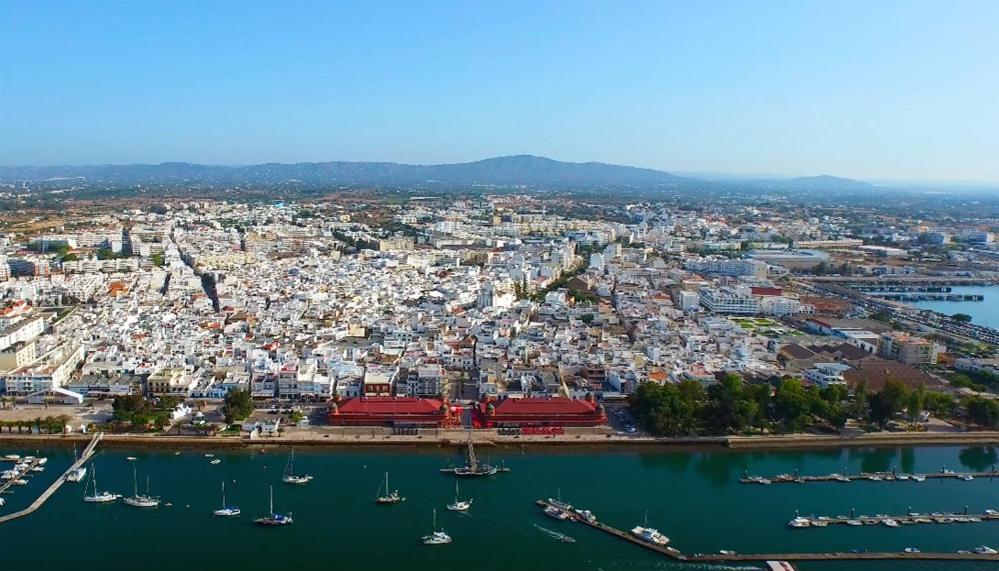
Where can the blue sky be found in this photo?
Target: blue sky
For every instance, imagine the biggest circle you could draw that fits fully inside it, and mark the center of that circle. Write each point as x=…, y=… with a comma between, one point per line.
x=867, y=89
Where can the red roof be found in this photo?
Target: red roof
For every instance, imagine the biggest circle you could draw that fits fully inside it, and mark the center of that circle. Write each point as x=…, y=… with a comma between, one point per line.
x=544, y=406
x=390, y=405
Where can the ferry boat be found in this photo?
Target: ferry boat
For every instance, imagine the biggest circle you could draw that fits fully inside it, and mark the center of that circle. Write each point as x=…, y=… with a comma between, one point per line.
x=274, y=519
x=436, y=537
x=390, y=497
x=226, y=511
x=458, y=505
x=141, y=501
x=290, y=477
x=648, y=534
x=98, y=497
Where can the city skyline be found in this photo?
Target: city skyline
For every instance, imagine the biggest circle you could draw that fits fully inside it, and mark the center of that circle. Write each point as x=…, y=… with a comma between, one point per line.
x=889, y=91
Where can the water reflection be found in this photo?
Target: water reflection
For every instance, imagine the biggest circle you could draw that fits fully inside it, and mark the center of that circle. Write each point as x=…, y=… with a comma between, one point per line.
x=979, y=458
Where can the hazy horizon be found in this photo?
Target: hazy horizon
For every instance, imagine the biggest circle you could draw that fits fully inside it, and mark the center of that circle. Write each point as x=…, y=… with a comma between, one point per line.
x=890, y=91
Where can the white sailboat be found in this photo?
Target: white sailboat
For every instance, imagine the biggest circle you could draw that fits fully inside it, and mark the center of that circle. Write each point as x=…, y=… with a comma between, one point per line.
x=141, y=501
x=98, y=497
x=78, y=474
x=226, y=511
x=274, y=519
x=290, y=477
x=390, y=497
x=459, y=505
x=436, y=537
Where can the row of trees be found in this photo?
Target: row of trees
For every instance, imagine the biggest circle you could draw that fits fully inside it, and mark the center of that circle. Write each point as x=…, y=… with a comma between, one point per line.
x=142, y=413
x=734, y=407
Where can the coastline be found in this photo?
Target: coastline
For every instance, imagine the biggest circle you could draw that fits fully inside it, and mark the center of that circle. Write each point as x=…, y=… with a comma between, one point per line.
x=567, y=442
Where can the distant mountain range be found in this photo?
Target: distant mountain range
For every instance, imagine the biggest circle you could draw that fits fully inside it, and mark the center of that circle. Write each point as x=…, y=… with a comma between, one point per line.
x=518, y=170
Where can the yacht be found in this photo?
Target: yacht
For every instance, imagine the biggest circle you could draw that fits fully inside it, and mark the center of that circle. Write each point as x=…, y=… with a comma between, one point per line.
x=436, y=537
x=226, y=511
x=557, y=513
x=967, y=477
x=98, y=497
x=141, y=501
x=458, y=505
x=890, y=523
x=800, y=522
x=274, y=519
x=77, y=475
x=391, y=496
x=918, y=478
x=290, y=477
x=646, y=533
x=985, y=550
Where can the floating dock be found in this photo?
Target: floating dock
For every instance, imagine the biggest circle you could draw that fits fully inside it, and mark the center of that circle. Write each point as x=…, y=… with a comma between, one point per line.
x=910, y=518
x=677, y=555
x=868, y=477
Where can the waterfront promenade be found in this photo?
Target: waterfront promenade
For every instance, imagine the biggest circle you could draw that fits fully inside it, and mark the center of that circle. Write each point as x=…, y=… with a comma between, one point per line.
x=320, y=437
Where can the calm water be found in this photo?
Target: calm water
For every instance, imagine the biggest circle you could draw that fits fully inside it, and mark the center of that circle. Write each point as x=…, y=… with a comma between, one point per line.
x=692, y=497
x=981, y=312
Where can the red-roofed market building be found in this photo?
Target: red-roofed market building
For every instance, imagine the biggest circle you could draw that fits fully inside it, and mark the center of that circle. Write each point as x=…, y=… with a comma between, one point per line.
x=393, y=411
x=559, y=411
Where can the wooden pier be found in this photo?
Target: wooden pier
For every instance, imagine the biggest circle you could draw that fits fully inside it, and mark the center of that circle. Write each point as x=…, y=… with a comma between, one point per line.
x=677, y=555
x=910, y=518
x=87, y=453
x=868, y=477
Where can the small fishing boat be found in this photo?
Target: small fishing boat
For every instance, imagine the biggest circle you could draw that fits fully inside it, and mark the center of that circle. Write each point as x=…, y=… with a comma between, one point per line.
x=215, y=462
x=556, y=535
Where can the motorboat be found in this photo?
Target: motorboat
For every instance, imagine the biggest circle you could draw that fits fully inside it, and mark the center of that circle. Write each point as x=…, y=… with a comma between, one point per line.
x=985, y=550
x=800, y=522
x=648, y=534
x=77, y=475
x=557, y=513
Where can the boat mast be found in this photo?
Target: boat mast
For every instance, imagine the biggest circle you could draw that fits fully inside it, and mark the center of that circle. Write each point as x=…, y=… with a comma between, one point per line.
x=272, y=499
x=135, y=481
x=223, y=494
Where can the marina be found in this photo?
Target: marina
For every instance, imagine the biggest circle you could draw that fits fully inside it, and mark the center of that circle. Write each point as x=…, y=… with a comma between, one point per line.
x=895, y=521
x=52, y=489
x=889, y=476
x=730, y=556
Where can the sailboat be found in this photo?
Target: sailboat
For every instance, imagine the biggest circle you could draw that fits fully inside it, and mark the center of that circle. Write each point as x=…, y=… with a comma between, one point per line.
x=459, y=505
x=436, y=537
x=290, y=477
x=98, y=497
x=390, y=497
x=141, y=501
x=78, y=474
x=226, y=511
x=274, y=518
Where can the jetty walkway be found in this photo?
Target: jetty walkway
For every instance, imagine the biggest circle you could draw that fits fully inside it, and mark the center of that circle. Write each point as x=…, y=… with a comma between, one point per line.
x=676, y=554
x=868, y=477
x=87, y=453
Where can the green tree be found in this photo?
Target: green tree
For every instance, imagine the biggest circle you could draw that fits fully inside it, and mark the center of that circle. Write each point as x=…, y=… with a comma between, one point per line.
x=860, y=400
x=915, y=405
x=791, y=404
x=961, y=317
x=158, y=260
x=896, y=393
x=587, y=318
x=237, y=406
x=983, y=412
x=106, y=254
